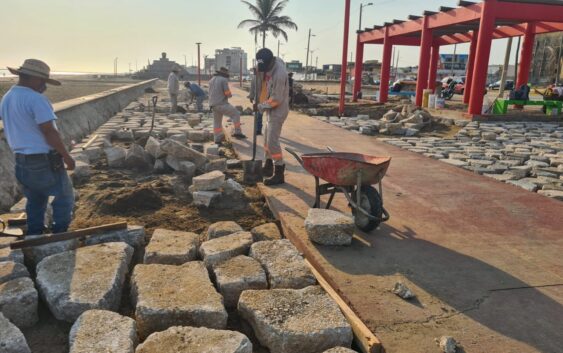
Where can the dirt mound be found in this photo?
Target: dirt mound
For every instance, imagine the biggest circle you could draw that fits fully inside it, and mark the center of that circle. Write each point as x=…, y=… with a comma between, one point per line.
x=128, y=201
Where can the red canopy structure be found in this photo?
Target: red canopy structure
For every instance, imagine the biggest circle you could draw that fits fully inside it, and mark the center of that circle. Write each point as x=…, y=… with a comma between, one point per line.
x=475, y=23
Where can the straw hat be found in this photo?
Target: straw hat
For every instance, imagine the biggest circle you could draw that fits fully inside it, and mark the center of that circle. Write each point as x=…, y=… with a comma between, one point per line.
x=223, y=71
x=35, y=68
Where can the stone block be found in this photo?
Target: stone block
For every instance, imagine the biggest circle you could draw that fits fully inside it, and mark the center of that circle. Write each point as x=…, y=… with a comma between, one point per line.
x=160, y=166
x=268, y=231
x=92, y=277
x=340, y=349
x=81, y=172
x=284, y=266
x=10, y=270
x=8, y=254
x=115, y=156
x=153, y=148
x=554, y=194
x=197, y=136
x=166, y=296
x=196, y=340
x=137, y=158
x=170, y=247
x=103, y=331
x=34, y=255
x=221, y=229
x=205, y=198
x=181, y=152
x=526, y=185
x=133, y=236
x=295, y=321
x=12, y=339
x=209, y=181
x=234, y=164
x=18, y=302
x=181, y=138
x=328, y=227
x=123, y=135
x=219, y=164
x=212, y=149
x=237, y=275
x=220, y=249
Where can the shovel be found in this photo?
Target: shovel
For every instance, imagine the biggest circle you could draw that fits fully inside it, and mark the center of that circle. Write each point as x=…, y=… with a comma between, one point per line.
x=252, y=170
x=143, y=140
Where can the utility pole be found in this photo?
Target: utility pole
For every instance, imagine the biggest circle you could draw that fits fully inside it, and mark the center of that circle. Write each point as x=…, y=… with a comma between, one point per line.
x=115, y=67
x=198, y=63
x=136, y=67
x=307, y=60
x=240, y=77
x=344, y=57
x=279, y=48
x=185, y=61
x=505, y=68
x=361, y=9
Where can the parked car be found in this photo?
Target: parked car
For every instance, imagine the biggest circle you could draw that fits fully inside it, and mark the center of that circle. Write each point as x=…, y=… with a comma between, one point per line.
x=509, y=85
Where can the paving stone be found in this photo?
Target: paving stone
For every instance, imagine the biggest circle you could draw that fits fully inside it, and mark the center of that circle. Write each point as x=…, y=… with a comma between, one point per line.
x=10, y=270
x=196, y=340
x=197, y=136
x=205, y=198
x=92, y=277
x=169, y=247
x=133, y=236
x=209, y=181
x=220, y=249
x=455, y=162
x=328, y=227
x=103, y=331
x=34, y=255
x=137, y=158
x=115, y=156
x=219, y=164
x=220, y=229
x=12, y=339
x=153, y=148
x=81, y=171
x=166, y=296
x=526, y=185
x=186, y=168
x=500, y=177
x=234, y=164
x=236, y=275
x=181, y=152
x=295, y=321
x=339, y=350
x=18, y=302
x=212, y=149
x=268, y=231
x=284, y=266
x=8, y=254
x=554, y=194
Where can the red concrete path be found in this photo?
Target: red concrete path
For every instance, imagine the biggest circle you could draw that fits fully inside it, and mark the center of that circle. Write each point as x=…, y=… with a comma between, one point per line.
x=483, y=257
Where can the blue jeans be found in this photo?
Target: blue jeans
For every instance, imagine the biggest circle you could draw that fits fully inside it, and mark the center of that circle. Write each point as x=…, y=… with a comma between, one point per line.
x=199, y=103
x=39, y=181
x=259, y=123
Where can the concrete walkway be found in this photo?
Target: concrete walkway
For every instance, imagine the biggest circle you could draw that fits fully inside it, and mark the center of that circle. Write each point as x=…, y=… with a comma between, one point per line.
x=485, y=259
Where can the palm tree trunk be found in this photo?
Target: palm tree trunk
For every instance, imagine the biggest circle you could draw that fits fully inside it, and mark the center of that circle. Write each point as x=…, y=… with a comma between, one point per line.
x=263, y=39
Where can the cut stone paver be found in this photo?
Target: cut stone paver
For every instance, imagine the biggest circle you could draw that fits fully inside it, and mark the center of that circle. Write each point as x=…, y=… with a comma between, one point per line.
x=103, y=331
x=181, y=152
x=209, y=181
x=205, y=198
x=328, y=227
x=153, y=148
x=196, y=340
x=18, y=302
x=170, y=247
x=133, y=236
x=10, y=270
x=220, y=249
x=88, y=278
x=295, y=321
x=237, y=275
x=166, y=296
x=220, y=229
x=12, y=339
x=340, y=350
x=268, y=231
x=35, y=254
x=284, y=266
x=137, y=158
x=115, y=156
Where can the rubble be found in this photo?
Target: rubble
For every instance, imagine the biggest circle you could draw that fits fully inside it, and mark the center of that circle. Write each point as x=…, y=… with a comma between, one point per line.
x=169, y=247
x=401, y=290
x=209, y=181
x=220, y=249
x=220, y=229
x=295, y=321
x=205, y=198
x=10, y=270
x=284, y=266
x=181, y=152
x=166, y=296
x=136, y=158
x=339, y=350
x=103, y=331
x=12, y=339
x=35, y=254
x=268, y=231
x=153, y=148
x=91, y=277
x=196, y=340
x=328, y=227
x=115, y=156
x=447, y=344
x=18, y=302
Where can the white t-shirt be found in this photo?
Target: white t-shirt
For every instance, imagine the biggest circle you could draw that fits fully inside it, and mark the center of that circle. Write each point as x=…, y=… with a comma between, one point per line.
x=173, y=84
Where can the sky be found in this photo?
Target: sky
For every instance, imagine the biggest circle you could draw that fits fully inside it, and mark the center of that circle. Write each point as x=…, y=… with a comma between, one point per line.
x=86, y=35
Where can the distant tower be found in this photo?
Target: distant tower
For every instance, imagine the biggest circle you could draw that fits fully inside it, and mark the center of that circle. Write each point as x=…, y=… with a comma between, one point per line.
x=163, y=55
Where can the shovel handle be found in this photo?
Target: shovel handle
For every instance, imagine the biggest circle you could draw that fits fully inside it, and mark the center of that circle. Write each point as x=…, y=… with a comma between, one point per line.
x=154, y=101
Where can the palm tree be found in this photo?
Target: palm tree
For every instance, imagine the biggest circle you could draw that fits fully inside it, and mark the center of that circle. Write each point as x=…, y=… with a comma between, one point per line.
x=268, y=18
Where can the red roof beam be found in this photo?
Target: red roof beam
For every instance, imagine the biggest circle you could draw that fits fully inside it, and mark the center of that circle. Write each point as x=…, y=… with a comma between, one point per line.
x=459, y=15
x=527, y=12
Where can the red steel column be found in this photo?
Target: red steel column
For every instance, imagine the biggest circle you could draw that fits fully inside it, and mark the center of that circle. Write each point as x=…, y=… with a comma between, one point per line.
x=358, y=68
x=424, y=61
x=470, y=68
x=526, y=55
x=434, y=67
x=344, y=58
x=486, y=28
x=385, y=67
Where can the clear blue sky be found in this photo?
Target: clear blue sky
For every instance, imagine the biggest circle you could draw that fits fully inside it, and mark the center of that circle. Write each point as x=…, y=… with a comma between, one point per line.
x=86, y=35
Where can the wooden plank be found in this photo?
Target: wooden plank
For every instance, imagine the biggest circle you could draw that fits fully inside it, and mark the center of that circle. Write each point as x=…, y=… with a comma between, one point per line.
x=363, y=337
x=65, y=236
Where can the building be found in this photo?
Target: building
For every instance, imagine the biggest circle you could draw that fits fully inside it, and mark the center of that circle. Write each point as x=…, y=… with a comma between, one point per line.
x=209, y=65
x=160, y=68
x=294, y=66
x=231, y=59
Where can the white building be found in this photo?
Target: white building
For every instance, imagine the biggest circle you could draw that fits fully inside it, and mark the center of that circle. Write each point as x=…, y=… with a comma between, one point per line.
x=231, y=58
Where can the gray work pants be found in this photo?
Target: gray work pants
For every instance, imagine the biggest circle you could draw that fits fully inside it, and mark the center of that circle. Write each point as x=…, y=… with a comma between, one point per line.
x=218, y=112
x=173, y=102
x=272, y=147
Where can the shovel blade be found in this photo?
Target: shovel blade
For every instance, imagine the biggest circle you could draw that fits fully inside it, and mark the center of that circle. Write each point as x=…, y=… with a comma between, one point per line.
x=252, y=172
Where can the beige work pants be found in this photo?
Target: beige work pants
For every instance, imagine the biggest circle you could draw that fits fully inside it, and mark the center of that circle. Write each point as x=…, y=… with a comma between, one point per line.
x=218, y=112
x=272, y=147
x=173, y=103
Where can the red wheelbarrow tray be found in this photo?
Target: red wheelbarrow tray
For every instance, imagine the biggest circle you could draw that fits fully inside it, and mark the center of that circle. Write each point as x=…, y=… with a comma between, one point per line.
x=341, y=168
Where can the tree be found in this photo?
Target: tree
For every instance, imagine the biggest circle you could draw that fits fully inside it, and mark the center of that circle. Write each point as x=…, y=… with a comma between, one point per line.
x=267, y=18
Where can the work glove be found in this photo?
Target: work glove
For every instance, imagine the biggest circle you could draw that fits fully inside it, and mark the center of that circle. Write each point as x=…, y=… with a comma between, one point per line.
x=262, y=107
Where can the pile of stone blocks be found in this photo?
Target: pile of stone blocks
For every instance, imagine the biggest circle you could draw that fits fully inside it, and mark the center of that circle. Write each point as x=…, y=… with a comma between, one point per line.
x=213, y=190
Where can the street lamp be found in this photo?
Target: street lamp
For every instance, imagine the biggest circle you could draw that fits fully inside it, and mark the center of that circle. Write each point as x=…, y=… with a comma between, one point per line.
x=361, y=8
x=307, y=60
x=198, y=63
x=186, y=61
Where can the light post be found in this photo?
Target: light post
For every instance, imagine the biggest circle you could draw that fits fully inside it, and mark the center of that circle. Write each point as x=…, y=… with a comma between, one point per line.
x=279, y=43
x=186, y=61
x=307, y=60
x=361, y=9
x=115, y=67
x=198, y=64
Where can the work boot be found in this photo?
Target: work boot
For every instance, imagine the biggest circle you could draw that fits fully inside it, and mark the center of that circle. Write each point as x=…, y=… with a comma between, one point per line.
x=278, y=177
x=268, y=168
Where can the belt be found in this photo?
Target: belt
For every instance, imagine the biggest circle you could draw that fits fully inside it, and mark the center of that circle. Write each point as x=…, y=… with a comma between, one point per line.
x=31, y=157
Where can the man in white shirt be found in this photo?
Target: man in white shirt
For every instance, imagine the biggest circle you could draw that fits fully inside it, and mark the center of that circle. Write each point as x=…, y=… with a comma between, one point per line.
x=173, y=89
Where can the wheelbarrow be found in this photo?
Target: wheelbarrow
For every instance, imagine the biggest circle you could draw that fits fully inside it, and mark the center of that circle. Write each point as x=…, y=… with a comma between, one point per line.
x=353, y=175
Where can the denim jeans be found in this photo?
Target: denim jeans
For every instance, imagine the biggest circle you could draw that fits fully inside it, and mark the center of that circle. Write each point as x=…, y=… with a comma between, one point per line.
x=38, y=182
x=259, y=123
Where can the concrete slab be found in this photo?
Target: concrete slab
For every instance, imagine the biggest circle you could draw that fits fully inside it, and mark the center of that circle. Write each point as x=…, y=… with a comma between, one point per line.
x=454, y=237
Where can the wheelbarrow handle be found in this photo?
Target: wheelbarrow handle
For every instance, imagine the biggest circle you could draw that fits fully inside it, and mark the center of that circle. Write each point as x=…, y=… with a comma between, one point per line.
x=294, y=154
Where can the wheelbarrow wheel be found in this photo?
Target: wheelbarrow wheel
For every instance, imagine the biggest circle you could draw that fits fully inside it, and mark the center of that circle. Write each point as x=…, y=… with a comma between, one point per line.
x=371, y=202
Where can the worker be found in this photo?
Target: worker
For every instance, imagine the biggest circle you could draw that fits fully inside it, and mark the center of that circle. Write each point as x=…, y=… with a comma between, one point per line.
x=219, y=94
x=252, y=96
x=173, y=89
x=198, y=93
x=40, y=154
x=274, y=101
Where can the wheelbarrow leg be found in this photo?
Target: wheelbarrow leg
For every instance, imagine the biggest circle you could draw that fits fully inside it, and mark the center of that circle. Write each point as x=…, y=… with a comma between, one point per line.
x=331, y=198
x=317, y=194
